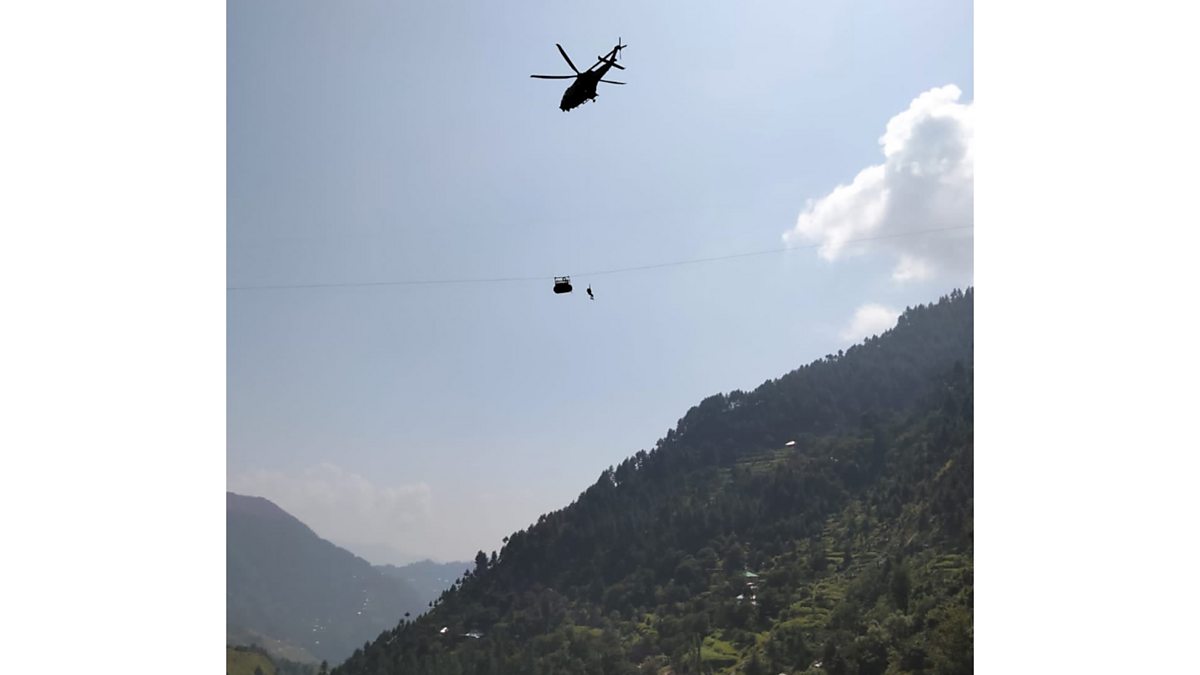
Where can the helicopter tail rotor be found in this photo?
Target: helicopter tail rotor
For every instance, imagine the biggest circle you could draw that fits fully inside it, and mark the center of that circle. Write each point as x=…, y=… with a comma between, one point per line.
x=611, y=59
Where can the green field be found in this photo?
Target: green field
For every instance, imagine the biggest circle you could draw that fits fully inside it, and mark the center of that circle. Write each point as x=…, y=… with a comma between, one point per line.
x=240, y=661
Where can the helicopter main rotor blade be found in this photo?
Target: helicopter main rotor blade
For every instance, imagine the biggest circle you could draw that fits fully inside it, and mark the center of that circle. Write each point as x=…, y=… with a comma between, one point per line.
x=555, y=77
x=611, y=82
x=564, y=55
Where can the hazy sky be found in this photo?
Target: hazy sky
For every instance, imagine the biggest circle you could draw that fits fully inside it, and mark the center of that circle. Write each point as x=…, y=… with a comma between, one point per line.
x=389, y=141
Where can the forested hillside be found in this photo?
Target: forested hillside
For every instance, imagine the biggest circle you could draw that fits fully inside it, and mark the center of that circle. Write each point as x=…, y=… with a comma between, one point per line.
x=820, y=523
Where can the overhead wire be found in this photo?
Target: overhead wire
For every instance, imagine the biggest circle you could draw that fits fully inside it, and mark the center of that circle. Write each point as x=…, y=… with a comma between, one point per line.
x=595, y=273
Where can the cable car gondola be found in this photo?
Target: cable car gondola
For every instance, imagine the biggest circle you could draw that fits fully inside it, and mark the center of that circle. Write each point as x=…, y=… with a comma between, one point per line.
x=562, y=284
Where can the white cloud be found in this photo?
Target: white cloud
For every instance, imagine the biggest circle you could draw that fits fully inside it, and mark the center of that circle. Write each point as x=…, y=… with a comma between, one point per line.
x=343, y=506
x=869, y=320
x=926, y=182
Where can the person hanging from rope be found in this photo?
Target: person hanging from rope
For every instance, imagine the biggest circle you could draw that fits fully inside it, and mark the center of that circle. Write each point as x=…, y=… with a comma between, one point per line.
x=589, y=290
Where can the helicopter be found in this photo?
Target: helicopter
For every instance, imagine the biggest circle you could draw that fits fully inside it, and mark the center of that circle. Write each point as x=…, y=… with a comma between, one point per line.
x=583, y=89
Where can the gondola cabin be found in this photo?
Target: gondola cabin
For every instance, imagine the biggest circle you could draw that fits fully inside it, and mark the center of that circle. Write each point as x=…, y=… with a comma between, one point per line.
x=562, y=284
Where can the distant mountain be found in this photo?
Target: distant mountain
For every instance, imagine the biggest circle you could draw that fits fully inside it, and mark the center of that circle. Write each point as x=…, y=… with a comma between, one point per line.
x=298, y=595
x=822, y=523
x=429, y=579
x=378, y=553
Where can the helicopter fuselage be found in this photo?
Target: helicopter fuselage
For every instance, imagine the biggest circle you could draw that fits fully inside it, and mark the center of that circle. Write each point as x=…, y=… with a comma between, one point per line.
x=583, y=89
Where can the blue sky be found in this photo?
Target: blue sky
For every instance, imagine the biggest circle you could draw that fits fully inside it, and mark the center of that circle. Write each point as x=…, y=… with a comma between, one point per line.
x=376, y=141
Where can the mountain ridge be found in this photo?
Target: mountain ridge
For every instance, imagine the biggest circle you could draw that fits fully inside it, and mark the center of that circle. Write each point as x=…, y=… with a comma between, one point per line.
x=428, y=578
x=298, y=594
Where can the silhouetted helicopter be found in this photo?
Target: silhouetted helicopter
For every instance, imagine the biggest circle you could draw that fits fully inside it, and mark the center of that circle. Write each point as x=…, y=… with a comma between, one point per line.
x=583, y=89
